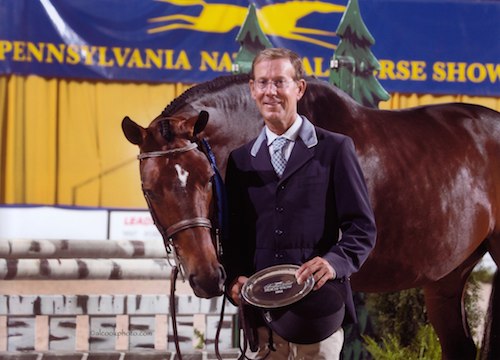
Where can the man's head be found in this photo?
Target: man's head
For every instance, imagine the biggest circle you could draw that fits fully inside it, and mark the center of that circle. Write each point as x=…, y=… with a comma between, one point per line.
x=277, y=85
x=280, y=53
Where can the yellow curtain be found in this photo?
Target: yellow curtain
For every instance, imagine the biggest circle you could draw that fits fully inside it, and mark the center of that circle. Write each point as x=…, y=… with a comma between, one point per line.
x=61, y=141
x=403, y=101
x=62, y=144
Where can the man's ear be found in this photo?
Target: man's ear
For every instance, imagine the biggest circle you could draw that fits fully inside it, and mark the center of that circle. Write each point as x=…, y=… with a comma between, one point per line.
x=251, y=84
x=301, y=85
x=201, y=123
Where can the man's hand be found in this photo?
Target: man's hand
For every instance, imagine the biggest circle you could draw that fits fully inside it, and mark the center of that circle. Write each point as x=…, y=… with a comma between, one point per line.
x=235, y=288
x=319, y=268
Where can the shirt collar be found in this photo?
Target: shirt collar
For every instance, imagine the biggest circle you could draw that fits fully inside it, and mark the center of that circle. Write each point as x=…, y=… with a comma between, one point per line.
x=306, y=132
x=291, y=134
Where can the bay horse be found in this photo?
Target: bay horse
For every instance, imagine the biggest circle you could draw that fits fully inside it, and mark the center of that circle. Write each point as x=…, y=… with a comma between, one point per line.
x=433, y=174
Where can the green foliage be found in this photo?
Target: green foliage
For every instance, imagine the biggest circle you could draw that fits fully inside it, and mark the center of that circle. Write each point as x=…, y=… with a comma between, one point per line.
x=471, y=308
x=401, y=325
x=480, y=275
x=400, y=312
x=483, y=274
x=425, y=346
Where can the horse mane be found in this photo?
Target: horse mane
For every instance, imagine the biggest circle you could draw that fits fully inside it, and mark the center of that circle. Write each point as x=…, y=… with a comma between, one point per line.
x=318, y=92
x=217, y=84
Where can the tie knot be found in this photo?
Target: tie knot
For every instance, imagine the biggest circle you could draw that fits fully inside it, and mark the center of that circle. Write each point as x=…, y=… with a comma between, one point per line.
x=278, y=143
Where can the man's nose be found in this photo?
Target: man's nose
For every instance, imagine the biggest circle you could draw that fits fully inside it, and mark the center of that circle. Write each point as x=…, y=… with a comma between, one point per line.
x=271, y=87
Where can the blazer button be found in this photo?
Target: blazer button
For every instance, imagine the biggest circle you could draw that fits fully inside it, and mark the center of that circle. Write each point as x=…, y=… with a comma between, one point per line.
x=278, y=232
x=279, y=209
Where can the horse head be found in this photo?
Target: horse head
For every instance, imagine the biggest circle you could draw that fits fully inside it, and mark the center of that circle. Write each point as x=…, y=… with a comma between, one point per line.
x=176, y=178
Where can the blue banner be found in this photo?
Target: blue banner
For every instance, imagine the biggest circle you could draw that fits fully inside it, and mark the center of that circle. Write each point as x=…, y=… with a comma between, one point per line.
x=437, y=47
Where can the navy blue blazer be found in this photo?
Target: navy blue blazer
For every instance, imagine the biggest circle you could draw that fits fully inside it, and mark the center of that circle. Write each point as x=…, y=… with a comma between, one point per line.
x=293, y=219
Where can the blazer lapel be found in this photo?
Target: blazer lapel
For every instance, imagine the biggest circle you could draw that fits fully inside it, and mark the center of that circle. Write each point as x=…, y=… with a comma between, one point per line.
x=302, y=152
x=300, y=155
x=261, y=162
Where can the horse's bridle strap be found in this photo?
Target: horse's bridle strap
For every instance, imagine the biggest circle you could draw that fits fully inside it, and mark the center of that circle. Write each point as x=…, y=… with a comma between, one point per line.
x=186, y=224
x=151, y=154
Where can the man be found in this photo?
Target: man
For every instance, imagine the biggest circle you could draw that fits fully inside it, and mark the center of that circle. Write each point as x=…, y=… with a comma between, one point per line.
x=291, y=210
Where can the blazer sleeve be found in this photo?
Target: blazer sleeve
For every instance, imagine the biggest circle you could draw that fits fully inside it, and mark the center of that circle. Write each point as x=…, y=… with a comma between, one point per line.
x=355, y=214
x=238, y=252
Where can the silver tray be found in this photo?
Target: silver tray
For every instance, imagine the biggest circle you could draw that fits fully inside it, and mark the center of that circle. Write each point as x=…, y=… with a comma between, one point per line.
x=275, y=287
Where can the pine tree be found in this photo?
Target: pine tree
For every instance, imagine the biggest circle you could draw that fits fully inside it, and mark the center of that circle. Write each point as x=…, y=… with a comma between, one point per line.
x=252, y=40
x=353, y=63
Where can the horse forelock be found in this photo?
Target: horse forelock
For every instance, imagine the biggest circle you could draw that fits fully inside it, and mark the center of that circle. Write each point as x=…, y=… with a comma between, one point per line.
x=203, y=89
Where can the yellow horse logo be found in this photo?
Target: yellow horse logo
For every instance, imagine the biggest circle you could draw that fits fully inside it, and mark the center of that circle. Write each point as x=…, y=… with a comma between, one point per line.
x=275, y=19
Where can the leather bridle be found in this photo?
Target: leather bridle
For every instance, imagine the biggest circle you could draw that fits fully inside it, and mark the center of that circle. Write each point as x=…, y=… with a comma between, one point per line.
x=181, y=225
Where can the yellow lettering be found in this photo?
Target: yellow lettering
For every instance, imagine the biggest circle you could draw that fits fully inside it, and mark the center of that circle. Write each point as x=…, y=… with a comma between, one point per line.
x=225, y=63
x=19, y=54
x=493, y=72
x=418, y=71
x=318, y=67
x=121, y=55
x=153, y=57
x=386, y=70
x=438, y=71
x=307, y=66
x=169, y=59
x=55, y=52
x=88, y=54
x=455, y=71
x=463, y=72
x=102, y=60
x=209, y=61
x=135, y=59
x=403, y=68
x=478, y=69
x=5, y=47
x=35, y=52
x=73, y=57
x=183, y=62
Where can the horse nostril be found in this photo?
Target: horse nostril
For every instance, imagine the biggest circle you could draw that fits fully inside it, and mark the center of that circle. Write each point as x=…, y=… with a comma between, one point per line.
x=192, y=281
x=222, y=279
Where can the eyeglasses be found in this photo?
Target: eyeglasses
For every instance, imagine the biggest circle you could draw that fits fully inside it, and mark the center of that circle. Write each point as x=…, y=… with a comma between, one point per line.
x=262, y=84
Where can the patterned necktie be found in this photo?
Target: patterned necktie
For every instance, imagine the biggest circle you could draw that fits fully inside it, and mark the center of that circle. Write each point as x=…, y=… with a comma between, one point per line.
x=278, y=155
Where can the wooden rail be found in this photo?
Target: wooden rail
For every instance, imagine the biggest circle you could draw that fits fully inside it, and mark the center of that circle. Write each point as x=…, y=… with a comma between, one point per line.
x=96, y=323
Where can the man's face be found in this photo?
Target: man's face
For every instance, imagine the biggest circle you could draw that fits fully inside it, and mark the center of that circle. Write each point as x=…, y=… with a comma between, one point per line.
x=276, y=93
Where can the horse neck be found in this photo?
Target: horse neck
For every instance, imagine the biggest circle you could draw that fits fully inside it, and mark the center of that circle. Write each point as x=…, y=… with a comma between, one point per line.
x=330, y=108
x=234, y=119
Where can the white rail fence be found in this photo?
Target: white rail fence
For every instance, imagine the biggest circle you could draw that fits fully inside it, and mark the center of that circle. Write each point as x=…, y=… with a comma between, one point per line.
x=87, y=323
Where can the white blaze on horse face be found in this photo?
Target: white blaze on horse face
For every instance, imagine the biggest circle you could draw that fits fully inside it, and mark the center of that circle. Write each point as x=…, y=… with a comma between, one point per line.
x=182, y=175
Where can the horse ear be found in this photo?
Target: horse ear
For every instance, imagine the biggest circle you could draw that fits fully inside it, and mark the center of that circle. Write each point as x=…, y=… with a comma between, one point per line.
x=200, y=124
x=133, y=132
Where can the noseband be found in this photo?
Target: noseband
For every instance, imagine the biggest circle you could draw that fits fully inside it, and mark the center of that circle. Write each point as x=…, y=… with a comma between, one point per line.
x=152, y=154
x=183, y=224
